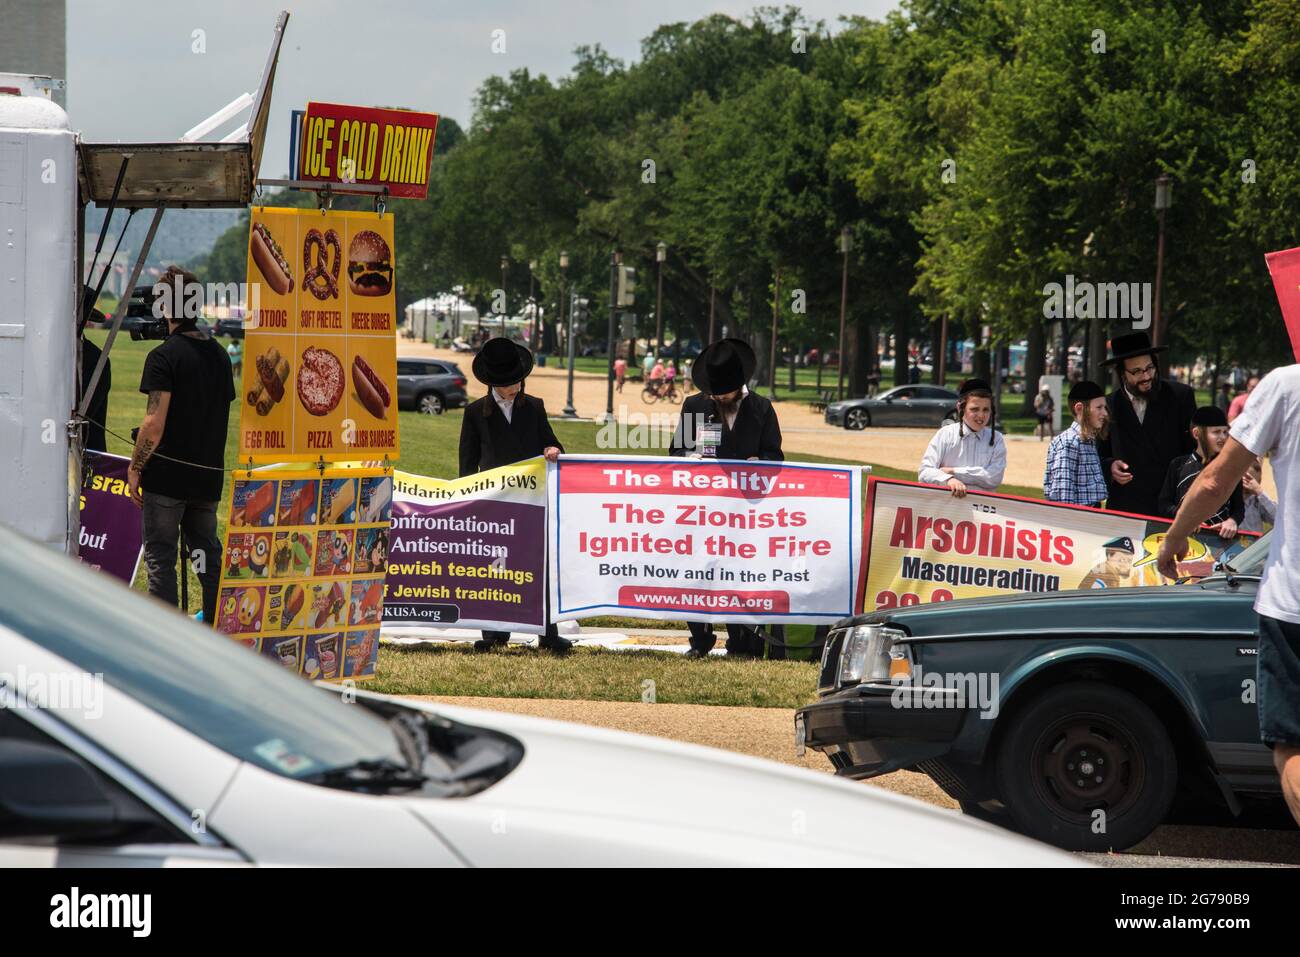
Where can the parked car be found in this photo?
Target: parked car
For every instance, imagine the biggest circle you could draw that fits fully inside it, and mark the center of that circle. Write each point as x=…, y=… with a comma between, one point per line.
x=916, y=405
x=1111, y=705
x=183, y=747
x=430, y=385
x=234, y=328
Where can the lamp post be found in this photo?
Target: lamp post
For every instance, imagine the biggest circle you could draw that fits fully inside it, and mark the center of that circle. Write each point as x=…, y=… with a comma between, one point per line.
x=661, y=255
x=846, y=243
x=776, y=311
x=615, y=261
x=711, y=296
x=505, y=300
x=1163, y=198
x=534, y=337
x=569, y=411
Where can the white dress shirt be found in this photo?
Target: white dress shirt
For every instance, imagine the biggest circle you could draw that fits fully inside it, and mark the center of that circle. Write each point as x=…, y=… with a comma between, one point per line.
x=506, y=406
x=973, y=460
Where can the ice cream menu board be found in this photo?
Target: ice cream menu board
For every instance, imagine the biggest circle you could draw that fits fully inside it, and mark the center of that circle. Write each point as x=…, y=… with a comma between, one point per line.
x=302, y=577
x=320, y=352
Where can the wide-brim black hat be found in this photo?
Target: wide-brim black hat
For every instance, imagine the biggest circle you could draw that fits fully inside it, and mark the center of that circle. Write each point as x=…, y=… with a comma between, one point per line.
x=724, y=366
x=1129, y=345
x=502, y=362
x=1085, y=391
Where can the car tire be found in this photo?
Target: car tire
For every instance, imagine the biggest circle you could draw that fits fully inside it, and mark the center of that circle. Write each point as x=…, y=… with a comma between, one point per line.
x=430, y=404
x=1052, y=769
x=855, y=420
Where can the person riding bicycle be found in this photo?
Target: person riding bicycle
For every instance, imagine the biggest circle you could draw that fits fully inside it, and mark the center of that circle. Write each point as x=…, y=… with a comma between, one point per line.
x=657, y=377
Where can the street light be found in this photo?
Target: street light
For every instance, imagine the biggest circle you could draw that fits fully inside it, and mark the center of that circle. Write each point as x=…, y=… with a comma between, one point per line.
x=1163, y=198
x=505, y=300
x=661, y=255
x=569, y=412
x=846, y=243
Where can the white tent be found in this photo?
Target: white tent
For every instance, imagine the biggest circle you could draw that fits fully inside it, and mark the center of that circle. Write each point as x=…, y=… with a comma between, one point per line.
x=428, y=319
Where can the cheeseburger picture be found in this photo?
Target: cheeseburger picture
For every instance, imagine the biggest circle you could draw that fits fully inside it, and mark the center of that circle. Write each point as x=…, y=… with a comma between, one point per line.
x=370, y=266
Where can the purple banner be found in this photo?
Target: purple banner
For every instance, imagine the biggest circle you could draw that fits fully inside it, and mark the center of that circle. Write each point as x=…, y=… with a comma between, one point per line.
x=111, y=537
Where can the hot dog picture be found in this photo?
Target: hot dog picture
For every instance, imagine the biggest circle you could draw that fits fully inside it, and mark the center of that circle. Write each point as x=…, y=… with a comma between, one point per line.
x=270, y=260
x=371, y=390
x=370, y=265
x=320, y=381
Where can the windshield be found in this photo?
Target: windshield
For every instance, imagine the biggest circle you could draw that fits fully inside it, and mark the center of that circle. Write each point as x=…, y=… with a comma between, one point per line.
x=1251, y=559
x=241, y=702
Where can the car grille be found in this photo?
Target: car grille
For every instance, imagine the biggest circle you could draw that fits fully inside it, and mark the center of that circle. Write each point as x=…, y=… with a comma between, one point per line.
x=831, y=660
x=942, y=776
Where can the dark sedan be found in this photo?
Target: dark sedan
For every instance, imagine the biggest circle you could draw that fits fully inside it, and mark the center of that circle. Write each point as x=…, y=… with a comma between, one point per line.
x=430, y=385
x=927, y=406
x=1082, y=718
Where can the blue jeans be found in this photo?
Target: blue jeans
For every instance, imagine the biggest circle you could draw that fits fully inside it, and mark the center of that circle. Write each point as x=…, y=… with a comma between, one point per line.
x=165, y=518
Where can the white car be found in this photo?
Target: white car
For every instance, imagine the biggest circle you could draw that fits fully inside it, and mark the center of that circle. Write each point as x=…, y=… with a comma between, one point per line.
x=192, y=750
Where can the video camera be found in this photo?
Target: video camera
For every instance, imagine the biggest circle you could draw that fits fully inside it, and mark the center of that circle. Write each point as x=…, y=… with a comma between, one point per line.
x=140, y=321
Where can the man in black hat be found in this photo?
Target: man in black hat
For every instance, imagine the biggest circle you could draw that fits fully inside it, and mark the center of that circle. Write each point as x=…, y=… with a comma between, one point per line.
x=968, y=453
x=503, y=427
x=1073, y=474
x=1148, y=426
x=1116, y=569
x=1210, y=433
x=724, y=420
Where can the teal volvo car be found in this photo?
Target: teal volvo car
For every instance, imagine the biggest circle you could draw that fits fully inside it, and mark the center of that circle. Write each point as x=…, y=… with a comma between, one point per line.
x=1079, y=718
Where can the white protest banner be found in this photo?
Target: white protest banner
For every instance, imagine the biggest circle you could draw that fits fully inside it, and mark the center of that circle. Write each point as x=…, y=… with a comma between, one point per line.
x=704, y=540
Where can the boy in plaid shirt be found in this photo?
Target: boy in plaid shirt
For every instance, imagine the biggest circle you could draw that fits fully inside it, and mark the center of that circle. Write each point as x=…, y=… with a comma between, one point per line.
x=1073, y=473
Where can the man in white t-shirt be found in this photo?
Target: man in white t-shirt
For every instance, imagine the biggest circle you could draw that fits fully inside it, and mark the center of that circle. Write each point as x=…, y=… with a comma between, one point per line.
x=1269, y=425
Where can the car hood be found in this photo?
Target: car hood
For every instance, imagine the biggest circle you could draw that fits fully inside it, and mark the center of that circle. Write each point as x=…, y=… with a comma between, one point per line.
x=1213, y=605
x=613, y=798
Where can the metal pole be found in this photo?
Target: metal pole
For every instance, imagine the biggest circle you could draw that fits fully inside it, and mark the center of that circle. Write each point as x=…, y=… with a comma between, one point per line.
x=659, y=311
x=942, y=358
x=711, y=297
x=1158, y=329
x=569, y=411
x=505, y=298
x=844, y=298
x=533, y=338
x=776, y=308
x=614, y=259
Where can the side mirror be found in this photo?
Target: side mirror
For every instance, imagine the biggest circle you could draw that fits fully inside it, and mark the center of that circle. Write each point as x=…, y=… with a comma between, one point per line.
x=47, y=792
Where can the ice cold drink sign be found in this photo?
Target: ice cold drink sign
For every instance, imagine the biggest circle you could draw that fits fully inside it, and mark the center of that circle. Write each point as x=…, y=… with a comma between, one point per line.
x=742, y=542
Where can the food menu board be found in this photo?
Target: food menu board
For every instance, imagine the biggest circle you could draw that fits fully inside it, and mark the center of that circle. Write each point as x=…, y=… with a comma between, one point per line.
x=320, y=351
x=302, y=577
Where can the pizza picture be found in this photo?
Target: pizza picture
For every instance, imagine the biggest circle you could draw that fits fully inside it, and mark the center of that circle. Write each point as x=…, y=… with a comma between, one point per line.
x=320, y=381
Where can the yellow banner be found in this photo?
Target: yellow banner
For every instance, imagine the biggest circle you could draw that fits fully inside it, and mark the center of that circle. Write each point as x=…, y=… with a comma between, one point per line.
x=302, y=577
x=320, y=351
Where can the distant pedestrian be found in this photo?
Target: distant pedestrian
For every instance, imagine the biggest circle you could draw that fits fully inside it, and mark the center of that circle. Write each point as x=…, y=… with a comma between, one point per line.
x=1210, y=433
x=236, y=353
x=1268, y=425
x=1045, y=409
x=1239, y=403
x=968, y=452
x=1223, y=398
x=1260, y=509
x=1073, y=474
x=620, y=372
x=647, y=365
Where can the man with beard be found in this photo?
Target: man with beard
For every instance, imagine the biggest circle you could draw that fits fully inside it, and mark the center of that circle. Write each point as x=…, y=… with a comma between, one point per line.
x=724, y=420
x=1148, y=426
x=1073, y=474
x=1210, y=432
x=1116, y=569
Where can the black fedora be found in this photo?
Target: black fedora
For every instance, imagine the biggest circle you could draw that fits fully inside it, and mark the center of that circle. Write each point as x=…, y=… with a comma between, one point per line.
x=502, y=362
x=724, y=366
x=1130, y=345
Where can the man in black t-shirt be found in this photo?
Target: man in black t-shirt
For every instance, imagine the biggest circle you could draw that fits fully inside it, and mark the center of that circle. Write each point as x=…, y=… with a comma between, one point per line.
x=177, y=472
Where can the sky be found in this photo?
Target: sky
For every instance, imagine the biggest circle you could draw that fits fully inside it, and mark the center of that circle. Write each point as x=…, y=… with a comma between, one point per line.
x=135, y=73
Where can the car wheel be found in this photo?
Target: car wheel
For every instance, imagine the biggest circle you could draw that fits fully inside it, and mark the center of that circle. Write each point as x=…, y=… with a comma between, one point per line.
x=430, y=404
x=1087, y=767
x=857, y=419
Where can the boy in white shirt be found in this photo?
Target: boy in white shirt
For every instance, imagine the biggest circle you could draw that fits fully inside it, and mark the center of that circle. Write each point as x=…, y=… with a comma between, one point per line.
x=968, y=453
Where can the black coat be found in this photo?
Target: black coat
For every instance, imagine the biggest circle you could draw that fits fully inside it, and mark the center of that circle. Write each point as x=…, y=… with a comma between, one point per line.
x=1164, y=434
x=756, y=433
x=488, y=441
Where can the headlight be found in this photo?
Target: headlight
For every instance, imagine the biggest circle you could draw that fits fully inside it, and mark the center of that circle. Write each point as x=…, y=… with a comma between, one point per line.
x=873, y=653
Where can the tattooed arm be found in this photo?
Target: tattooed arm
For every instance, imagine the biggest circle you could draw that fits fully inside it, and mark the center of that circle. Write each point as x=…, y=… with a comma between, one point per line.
x=147, y=439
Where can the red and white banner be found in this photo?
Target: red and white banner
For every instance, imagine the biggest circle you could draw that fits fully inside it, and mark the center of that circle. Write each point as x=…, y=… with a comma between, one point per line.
x=1284, y=267
x=704, y=540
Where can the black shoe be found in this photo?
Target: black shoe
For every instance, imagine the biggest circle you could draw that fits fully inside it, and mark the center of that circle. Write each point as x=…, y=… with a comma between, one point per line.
x=696, y=653
x=489, y=644
x=558, y=645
